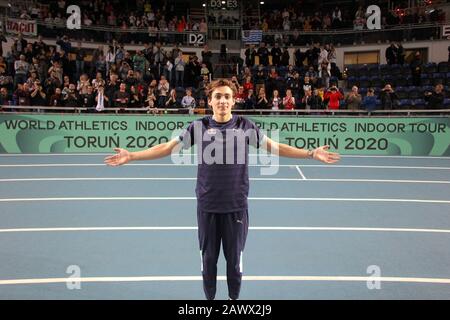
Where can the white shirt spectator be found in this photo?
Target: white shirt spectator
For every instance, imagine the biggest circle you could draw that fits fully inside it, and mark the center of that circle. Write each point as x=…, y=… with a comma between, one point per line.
x=188, y=102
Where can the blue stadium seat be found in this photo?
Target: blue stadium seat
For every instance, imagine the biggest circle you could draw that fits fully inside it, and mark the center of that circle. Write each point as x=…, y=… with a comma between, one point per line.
x=414, y=93
x=376, y=81
x=430, y=67
x=395, y=69
x=401, y=93
x=443, y=67
x=447, y=103
x=388, y=79
x=400, y=80
x=364, y=81
x=373, y=70
x=425, y=80
x=384, y=69
x=438, y=78
x=404, y=104
x=352, y=81
x=419, y=104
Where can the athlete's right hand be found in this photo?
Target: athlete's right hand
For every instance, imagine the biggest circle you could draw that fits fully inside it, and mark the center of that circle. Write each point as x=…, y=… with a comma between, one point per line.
x=121, y=157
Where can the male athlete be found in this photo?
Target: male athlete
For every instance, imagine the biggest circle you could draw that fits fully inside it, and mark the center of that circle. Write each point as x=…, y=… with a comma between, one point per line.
x=222, y=188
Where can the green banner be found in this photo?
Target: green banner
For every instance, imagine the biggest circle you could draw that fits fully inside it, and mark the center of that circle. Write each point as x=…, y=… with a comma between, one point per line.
x=31, y=133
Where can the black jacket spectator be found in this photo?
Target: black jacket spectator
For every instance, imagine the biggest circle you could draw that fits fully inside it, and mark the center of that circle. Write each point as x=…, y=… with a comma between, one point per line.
x=436, y=98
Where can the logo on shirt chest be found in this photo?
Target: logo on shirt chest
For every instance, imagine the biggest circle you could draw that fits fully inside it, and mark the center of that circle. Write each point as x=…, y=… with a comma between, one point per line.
x=211, y=131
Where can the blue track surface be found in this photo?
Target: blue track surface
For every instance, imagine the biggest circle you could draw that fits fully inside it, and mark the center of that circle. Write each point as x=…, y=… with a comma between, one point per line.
x=374, y=193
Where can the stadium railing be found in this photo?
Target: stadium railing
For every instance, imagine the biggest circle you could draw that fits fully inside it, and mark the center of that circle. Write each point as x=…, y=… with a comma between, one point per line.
x=7, y=109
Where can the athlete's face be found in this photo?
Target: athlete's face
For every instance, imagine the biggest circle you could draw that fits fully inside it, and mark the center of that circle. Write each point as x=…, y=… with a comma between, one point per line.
x=222, y=101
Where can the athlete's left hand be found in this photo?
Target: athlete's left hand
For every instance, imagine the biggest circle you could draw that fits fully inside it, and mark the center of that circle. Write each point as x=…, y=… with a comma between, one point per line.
x=322, y=154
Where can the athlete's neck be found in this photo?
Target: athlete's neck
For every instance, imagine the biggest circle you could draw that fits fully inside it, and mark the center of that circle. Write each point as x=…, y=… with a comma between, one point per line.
x=222, y=119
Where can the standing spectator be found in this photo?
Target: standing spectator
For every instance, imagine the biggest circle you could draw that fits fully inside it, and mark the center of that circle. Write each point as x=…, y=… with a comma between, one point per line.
x=21, y=67
x=388, y=98
x=416, y=69
x=263, y=55
x=179, y=69
x=206, y=57
x=400, y=54
x=353, y=99
x=325, y=73
x=336, y=18
x=262, y=102
x=79, y=60
x=121, y=97
x=276, y=100
x=289, y=101
x=334, y=96
x=316, y=101
x=248, y=85
x=285, y=57
x=2, y=39
x=391, y=54
x=56, y=100
x=87, y=100
x=172, y=101
x=163, y=90
x=83, y=84
x=436, y=98
x=188, y=102
x=101, y=99
x=71, y=99
x=276, y=55
x=37, y=96
x=250, y=54
x=250, y=101
x=370, y=101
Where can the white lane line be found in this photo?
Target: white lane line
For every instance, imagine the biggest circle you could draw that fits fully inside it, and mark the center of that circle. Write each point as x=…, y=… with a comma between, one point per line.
x=345, y=229
x=250, y=198
x=194, y=154
x=251, y=179
x=194, y=165
x=301, y=173
x=223, y=278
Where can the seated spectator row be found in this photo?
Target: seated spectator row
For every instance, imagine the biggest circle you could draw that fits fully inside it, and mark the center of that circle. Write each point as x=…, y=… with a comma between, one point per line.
x=399, y=80
x=371, y=70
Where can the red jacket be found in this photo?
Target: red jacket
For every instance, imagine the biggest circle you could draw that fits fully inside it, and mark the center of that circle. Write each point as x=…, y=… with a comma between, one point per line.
x=334, y=98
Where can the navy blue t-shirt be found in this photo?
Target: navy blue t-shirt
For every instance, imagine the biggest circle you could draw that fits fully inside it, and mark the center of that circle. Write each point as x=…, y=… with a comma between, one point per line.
x=222, y=153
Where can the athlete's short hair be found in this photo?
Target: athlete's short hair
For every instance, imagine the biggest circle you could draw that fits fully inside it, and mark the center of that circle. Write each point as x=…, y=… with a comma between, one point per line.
x=221, y=83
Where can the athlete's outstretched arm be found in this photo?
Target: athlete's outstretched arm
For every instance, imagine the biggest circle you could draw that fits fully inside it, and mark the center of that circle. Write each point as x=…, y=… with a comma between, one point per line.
x=124, y=156
x=284, y=150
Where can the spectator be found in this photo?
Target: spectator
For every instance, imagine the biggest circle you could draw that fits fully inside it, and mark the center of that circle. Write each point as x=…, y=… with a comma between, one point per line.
x=289, y=101
x=21, y=67
x=72, y=99
x=416, y=69
x=262, y=102
x=250, y=101
x=388, y=98
x=276, y=101
x=325, y=73
x=5, y=97
x=87, y=100
x=37, y=96
x=163, y=90
x=179, y=69
x=240, y=98
x=23, y=94
x=285, y=57
x=316, y=101
x=188, y=101
x=353, y=99
x=276, y=55
x=370, y=101
x=171, y=102
x=263, y=54
x=121, y=97
x=436, y=98
x=391, y=54
x=333, y=96
x=248, y=85
x=83, y=84
x=101, y=99
x=150, y=102
x=56, y=100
